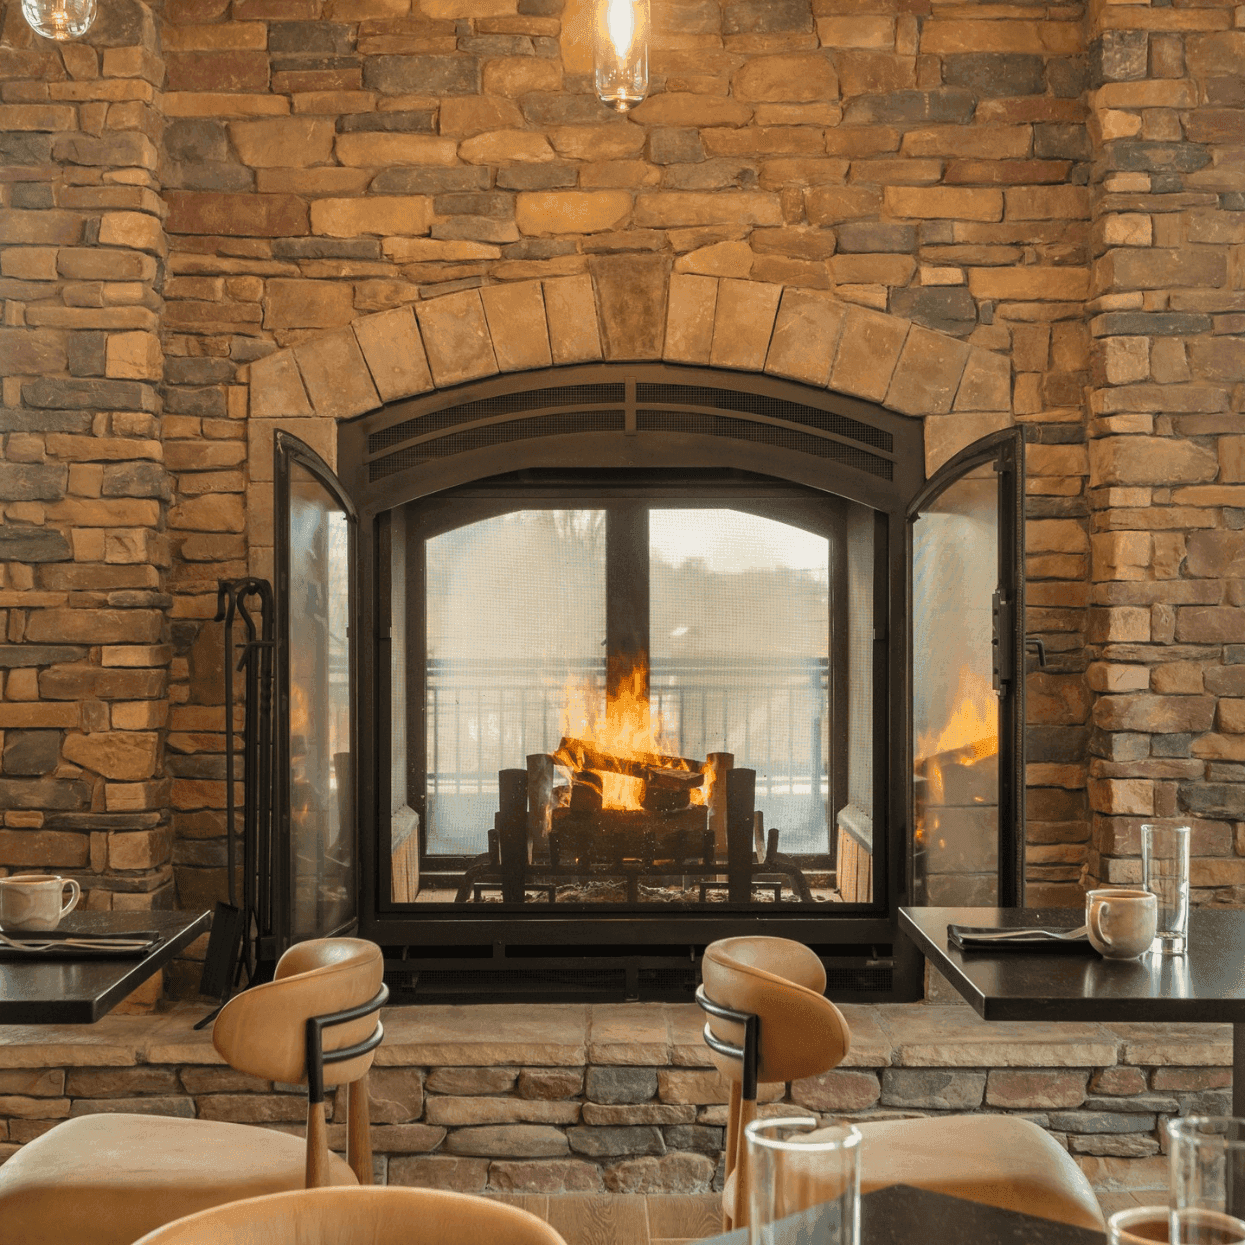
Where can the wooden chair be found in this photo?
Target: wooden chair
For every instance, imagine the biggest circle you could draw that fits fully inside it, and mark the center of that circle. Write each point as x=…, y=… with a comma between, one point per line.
x=375, y=1216
x=107, y=1179
x=768, y=1021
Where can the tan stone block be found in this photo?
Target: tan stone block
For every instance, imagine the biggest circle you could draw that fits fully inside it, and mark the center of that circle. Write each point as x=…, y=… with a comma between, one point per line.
x=986, y=384
x=868, y=351
x=291, y=142
x=506, y=147
x=135, y=230
x=377, y=149
x=317, y=181
x=694, y=111
x=516, y=320
x=474, y=114
x=277, y=387
x=456, y=338
x=383, y=214
x=394, y=353
x=33, y=716
x=867, y=269
x=792, y=77
x=943, y=203
x=509, y=1140
x=1149, y=460
x=455, y=1112
x=927, y=374
x=1026, y=284
x=743, y=322
x=827, y=205
x=449, y=10
x=722, y=259
x=134, y=356
x=1121, y=555
x=806, y=336
x=128, y=755
x=615, y=141
x=1125, y=359
x=1047, y=203
x=690, y=317
x=571, y=211
x=856, y=32
x=632, y=295
x=514, y=76
x=571, y=315
x=947, y=435
x=988, y=142
x=307, y=304
x=674, y=208
x=336, y=375
x=961, y=35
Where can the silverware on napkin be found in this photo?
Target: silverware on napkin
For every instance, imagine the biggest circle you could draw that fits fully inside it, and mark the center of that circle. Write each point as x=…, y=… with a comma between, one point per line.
x=1001, y=935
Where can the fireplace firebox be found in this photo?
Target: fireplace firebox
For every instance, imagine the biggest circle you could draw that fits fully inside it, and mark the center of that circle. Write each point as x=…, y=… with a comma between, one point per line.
x=580, y=670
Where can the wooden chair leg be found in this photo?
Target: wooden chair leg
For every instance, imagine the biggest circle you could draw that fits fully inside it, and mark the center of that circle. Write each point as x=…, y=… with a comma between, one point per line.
x=743, y=1168
x=358, y=1130
x=317, y=1146
x=732, y=1128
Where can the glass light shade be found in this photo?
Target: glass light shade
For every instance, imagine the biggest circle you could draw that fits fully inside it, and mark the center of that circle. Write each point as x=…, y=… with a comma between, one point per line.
x=620, y=52
x=59, y=19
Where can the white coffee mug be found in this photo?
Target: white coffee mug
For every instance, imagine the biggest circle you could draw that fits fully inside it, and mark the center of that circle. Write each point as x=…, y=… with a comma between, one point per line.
x=33, y=901
x=1121, y=921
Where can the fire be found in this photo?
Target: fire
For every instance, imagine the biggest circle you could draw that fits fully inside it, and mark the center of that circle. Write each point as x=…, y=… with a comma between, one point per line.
x=972, y=731
x=626, y=727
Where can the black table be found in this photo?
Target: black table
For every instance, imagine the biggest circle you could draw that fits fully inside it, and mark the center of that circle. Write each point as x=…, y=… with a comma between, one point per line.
x=81, y=991
x=1206, y=986
x=902, y=1215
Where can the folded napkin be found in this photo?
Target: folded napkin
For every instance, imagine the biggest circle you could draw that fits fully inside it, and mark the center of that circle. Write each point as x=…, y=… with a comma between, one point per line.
x=985, y=938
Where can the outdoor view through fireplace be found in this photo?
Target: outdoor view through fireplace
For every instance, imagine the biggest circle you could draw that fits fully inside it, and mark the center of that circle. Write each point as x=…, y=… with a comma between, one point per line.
x=641, y=656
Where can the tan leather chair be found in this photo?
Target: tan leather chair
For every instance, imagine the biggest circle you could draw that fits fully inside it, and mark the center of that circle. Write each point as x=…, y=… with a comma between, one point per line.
x=768, y=1021
x=107, y=1179
x=377, y=1216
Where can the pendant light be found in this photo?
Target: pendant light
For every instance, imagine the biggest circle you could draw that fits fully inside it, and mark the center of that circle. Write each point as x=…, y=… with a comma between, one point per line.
x=620, y=53
x=61, y=20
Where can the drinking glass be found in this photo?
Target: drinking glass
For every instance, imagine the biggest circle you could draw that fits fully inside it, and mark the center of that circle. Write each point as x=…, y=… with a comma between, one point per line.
x=1207, y=1180
x=1165, y=872
x=804, y=1183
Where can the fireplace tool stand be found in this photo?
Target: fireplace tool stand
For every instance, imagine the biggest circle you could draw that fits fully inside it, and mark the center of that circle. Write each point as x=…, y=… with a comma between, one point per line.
x=535, y=843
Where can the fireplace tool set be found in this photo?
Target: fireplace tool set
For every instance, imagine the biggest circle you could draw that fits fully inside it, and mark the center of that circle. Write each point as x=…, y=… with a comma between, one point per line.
x=544, y=834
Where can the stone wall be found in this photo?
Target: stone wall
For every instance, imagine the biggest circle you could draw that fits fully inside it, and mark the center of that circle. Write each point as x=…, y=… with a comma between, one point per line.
x=623, y=1098
x=1058, y=187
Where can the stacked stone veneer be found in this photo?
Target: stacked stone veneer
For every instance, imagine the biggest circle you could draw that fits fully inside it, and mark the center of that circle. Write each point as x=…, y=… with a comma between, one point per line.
x=623, y=1098
x=188, y=195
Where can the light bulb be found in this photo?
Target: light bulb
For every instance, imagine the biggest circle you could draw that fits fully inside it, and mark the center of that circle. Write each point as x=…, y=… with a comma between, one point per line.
x=61, y=20
x=620, y=53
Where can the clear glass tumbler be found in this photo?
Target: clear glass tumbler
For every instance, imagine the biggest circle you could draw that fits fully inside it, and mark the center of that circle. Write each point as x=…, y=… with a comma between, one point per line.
x=1165, y=873
x=803, y=1183
x=1207, y=1180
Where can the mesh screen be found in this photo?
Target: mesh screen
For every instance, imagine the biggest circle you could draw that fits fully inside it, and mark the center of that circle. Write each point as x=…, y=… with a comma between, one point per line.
x=489, y=408
x=495, y=434
x=765, y=434
x=762, y=404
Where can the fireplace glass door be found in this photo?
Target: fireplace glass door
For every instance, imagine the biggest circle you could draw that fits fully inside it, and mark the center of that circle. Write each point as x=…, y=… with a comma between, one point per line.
x=967, y=679
x=632, y=700
x=316, y=825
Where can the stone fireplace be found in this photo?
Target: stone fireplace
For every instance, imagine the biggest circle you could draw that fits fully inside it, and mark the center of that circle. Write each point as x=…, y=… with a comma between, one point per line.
x=222, y=219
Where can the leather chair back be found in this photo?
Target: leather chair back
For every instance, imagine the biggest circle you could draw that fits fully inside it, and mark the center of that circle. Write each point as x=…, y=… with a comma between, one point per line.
x=263, y=1030
x=377, y=1215
x=802, y=1033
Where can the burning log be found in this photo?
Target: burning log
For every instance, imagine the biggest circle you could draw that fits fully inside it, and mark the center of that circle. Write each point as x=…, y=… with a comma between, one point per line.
x=580, y=754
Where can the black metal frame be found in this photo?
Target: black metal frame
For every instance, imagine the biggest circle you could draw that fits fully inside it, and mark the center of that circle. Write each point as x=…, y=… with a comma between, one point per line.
x=748, y=1053
x=317, y=1057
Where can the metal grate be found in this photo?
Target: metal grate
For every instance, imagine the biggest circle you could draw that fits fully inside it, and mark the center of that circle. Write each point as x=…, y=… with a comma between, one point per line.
x=762, y=404
x=478, y=980
x=765, y=434
x=490, y=408
x=880, y=979
x=495, y=434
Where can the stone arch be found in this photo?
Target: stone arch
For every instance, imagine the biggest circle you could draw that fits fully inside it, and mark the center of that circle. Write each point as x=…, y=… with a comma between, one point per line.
x=625, y=310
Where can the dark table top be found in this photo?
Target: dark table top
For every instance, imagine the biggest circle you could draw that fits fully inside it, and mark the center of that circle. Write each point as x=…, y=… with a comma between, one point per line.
x=1206, y=985
x=902, y=1215
x=81, y=991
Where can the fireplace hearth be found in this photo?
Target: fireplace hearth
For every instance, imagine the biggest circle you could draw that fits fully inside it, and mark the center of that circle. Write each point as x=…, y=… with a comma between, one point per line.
x=638, y=657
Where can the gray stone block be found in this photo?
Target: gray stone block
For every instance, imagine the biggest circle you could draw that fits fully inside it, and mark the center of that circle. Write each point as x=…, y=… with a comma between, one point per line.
x=422, y=75
x=1101, y=1122
x=1155, y=1104
x=614, y=1085
x=33, y=544
x=32, y=481
x=31, y=753
x=697, y=1137
x=932, y=1087
x=624, y=1139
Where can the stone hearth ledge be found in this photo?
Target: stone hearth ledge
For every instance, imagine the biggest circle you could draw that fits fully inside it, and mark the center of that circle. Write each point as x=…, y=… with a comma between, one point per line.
x=570, y=1097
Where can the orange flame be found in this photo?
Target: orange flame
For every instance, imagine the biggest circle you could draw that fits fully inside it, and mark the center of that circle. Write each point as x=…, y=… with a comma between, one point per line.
x=626, y=727
x=972, y=731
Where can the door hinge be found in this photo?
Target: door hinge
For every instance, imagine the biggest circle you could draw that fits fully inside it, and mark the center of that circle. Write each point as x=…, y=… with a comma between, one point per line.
x=1001, y=640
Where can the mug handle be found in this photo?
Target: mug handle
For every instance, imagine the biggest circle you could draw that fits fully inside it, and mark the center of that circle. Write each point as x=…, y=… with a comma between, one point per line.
x=73, y=900
x=1095, y=923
